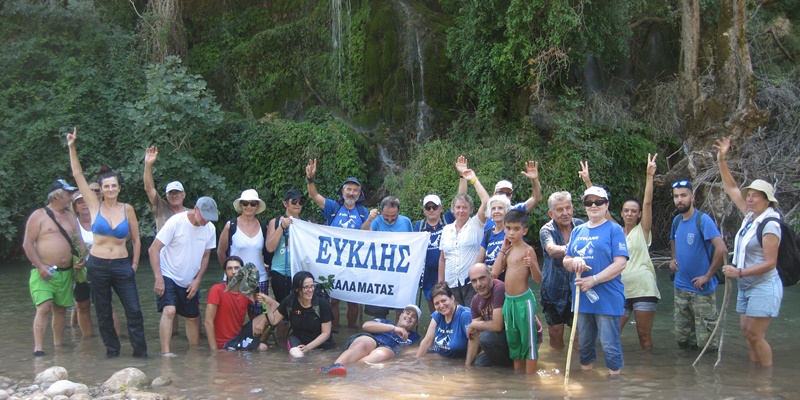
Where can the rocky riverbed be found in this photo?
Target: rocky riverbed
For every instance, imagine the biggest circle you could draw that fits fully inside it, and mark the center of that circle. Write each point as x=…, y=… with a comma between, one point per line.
x=54, y=384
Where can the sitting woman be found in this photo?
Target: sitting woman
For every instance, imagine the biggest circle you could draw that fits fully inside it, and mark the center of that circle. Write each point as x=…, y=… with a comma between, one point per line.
x=309, y=316
x=754, y=258
x=447, y=332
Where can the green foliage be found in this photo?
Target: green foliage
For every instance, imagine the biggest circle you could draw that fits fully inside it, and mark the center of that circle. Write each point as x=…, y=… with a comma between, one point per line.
x=175, y=108
x=503, y=49
x=62, y=67
x=277, y=152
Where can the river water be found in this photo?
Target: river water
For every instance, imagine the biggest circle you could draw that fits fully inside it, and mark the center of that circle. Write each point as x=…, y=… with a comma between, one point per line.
x=663, y=373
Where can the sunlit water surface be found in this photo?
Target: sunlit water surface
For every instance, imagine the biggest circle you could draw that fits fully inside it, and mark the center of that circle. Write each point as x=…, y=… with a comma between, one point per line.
x=663, y=373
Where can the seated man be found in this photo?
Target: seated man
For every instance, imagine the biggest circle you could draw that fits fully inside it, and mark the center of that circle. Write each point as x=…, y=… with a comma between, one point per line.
x=382, y=341
x=225, y=310
x=487, y=331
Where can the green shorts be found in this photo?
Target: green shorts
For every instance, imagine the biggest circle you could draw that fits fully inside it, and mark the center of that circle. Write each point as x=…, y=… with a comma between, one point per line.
x=58, y=289
x=519, y=315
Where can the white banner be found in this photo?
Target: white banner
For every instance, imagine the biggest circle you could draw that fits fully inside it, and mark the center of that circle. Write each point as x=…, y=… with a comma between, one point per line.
x=376, y=268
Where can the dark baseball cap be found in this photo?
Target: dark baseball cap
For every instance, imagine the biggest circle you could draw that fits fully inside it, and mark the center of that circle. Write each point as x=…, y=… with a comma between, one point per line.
x=61, y=184
x=293, y=194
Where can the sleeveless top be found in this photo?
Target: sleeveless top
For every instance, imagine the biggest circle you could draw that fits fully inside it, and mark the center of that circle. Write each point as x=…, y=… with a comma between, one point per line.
x=102, y=227
x=87, y=236
x=249, y=249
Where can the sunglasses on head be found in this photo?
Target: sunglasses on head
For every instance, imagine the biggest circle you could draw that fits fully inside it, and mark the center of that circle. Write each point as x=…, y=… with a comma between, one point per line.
x=252, y=203
x=598, y=202
x=96, y=190
x=296, y=201
x=431, y=207
x=681, y=184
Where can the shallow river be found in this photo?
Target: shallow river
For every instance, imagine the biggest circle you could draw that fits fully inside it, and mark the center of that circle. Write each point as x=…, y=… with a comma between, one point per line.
x=663, y=373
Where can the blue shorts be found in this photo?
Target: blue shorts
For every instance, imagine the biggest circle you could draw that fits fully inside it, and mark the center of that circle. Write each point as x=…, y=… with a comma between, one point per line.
x=175, y=295
x=762, y=299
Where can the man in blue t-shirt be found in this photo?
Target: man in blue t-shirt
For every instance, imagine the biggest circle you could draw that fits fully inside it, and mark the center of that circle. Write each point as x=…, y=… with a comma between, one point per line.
x=694, y=265
x=385, y=219
x=382, y=341
x=345, y=212
x=433, y=223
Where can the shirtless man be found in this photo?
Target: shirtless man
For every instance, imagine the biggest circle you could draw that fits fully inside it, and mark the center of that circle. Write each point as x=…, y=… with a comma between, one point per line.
x=519, y=310
x=51, y=256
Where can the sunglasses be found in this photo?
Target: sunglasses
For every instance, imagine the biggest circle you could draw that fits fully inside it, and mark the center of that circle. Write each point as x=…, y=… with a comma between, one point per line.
x=681, y=184
x=431, y=207
x=96, y=190
x=746, y=228
x=296, y=201
x=252, y=203
x=509, y=194
x=598, y=202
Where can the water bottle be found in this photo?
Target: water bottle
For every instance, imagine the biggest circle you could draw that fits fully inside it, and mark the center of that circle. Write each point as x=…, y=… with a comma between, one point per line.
x=592, y=296
x=52, y=270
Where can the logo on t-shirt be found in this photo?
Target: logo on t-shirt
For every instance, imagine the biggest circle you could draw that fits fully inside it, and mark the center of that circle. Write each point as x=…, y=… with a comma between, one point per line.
x=690, y=239
x=586, y=250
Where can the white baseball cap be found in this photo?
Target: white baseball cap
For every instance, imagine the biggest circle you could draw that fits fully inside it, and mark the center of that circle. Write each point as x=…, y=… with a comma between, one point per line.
x=174, y=185
x=432, y=198
x=504, y=184
x=596, y=191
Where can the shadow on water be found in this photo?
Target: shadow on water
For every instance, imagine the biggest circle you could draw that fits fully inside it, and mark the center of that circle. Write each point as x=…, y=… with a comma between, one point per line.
x=663, y=373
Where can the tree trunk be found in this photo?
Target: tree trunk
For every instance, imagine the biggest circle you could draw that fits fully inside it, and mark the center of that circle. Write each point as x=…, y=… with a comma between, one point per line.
x=167, y=35
x=728, y=108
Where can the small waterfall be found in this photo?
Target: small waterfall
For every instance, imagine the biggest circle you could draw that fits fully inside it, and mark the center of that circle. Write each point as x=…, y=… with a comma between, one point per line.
x=340, y=36
x=416, y=66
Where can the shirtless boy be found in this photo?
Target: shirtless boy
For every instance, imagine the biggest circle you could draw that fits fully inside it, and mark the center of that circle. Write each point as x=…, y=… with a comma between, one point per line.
x=519, y=261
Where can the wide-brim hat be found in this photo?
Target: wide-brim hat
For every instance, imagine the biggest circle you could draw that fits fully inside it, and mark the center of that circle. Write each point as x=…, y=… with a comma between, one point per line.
x=249, y=195
x=763, y=187
x=245, y=280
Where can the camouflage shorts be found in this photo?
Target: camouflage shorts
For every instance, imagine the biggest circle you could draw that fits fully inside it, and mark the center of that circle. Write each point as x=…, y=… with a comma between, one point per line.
x=695, y=318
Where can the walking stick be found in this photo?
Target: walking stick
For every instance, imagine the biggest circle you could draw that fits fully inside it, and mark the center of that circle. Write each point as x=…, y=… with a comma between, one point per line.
x=572, y=331
x=720, y=321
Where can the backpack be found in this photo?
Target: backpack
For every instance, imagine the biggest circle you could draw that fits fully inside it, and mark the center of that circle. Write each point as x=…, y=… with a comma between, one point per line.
x=788, y=264
x=232, y=230
x=720, y=276
x=362, y=212
x=320, y=294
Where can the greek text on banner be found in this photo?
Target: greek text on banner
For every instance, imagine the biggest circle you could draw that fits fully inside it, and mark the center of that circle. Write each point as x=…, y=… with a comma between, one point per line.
x=376, y=268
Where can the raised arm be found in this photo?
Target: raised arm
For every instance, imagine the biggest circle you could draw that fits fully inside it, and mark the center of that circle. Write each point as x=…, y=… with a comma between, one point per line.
x=647, y=202
x=584, y=174
x=311, y=172
x=482, y=193
x=150, y=156
x=722, y=145
x=532, y=172
x=77, y=172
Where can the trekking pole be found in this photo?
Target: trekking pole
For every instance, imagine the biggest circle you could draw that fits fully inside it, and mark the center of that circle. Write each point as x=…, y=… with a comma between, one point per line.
x=572, y=331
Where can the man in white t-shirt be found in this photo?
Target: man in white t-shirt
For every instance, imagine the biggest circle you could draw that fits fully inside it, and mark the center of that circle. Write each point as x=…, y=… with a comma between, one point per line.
x=179, y=257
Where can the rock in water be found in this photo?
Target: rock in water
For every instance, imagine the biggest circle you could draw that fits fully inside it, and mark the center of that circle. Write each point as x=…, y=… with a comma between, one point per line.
x=135, y=394
x=51, y=375
x=65, y=388
x=161, y=381
x=126, y=378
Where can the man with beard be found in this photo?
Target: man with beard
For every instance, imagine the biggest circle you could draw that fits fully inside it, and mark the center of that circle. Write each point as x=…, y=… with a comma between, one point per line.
x=345, y=212
x=697, y=252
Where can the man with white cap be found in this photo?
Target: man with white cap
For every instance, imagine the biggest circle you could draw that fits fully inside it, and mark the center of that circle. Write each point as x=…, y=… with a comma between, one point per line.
x=161, y=209
x=433, y=223
x=381, y=342
x=179, y=257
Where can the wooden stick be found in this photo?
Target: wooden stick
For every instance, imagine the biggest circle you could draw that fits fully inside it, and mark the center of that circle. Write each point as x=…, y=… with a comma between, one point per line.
x=572, y=331
x=720, y=321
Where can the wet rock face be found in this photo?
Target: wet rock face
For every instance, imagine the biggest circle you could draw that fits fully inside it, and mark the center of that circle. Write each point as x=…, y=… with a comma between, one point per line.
x=52, y=374
x=126, y=378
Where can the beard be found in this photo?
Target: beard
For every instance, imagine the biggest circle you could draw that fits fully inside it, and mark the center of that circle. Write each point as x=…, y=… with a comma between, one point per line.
x=349, y=202
x=683, y=208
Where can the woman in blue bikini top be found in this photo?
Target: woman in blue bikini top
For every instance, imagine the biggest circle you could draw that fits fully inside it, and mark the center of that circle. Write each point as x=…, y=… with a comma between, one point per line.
x=112, y=221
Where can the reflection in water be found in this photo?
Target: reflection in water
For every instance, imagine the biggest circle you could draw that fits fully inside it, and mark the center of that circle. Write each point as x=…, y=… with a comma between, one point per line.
x=664, y=372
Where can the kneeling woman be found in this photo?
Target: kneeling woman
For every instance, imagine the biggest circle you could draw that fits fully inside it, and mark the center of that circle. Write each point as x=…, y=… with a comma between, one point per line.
x=309, y=317
x=447, y=332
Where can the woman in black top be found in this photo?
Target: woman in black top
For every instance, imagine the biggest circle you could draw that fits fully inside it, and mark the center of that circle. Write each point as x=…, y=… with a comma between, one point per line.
x=309, y=316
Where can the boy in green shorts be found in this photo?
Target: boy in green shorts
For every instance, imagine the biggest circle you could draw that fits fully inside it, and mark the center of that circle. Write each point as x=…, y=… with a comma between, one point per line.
x=519, y=310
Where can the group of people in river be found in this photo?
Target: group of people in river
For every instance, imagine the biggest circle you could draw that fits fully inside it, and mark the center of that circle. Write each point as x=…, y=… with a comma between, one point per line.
x=596, y=276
